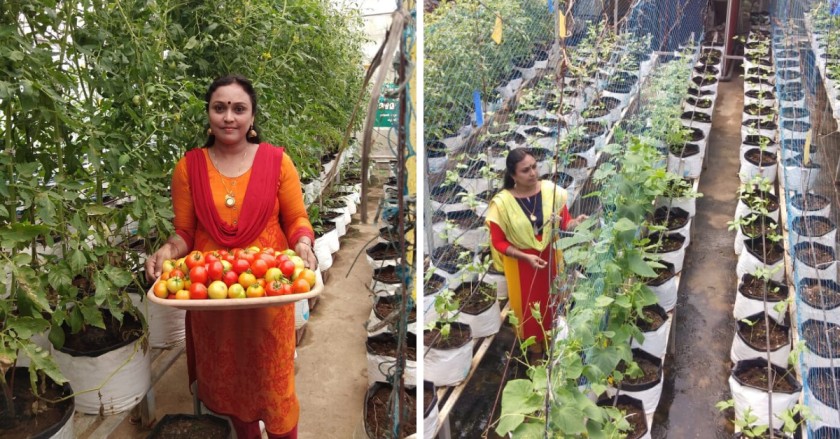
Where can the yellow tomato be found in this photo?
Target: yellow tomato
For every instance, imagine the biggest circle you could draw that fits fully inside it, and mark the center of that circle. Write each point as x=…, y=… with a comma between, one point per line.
x=182, y=295
x=307, y=275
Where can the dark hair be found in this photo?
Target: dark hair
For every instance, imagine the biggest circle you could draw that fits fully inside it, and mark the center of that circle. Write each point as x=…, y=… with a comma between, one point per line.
x=514, y=157
x=247, y=86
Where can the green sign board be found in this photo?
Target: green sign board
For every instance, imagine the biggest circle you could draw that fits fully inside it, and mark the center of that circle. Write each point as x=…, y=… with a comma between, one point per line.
x=388, y=112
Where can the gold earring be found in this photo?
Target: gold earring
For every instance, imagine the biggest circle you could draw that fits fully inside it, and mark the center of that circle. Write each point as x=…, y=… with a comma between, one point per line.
x=252, y=132
x=209, y=131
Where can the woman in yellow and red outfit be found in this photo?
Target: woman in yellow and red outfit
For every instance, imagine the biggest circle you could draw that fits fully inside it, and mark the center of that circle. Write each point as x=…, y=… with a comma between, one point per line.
x=521, y=219
x=238, y=192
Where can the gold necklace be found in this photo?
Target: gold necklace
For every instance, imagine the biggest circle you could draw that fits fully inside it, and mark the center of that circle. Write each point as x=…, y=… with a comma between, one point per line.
x=230, y=195
x=532, y=211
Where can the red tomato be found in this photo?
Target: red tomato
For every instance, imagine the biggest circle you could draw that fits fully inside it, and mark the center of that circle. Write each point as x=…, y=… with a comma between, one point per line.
x=259, y=267
x=241, y=265
x=230, y=278
x=255, y=290
x=288, y=268
x=268, y=258
x=211, y=257
x=215, y=270
x=274, y=288
x=177, y=273
x=246, y=254
x=222, y=253
x=281, y=257
x=198, y=291
x=198, y=275
x=268, y=251
x=229, y=257
x=194, y=259
x=300, y=286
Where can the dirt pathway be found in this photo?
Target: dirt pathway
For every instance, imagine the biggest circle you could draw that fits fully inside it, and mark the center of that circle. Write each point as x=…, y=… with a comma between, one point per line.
x=697, y=373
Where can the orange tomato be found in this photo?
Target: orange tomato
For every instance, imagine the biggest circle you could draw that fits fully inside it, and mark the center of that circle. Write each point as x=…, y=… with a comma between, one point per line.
x=309, y=276
x=182, y=295
x=160, y=289
x=300, y=286
x=247, y=279
x=255, y=290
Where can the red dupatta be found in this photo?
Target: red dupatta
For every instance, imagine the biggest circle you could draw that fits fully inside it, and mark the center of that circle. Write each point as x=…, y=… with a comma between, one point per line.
x=257, y=207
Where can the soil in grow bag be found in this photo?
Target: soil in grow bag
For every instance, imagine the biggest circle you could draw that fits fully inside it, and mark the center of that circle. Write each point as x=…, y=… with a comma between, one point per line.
x=791, y=88
x=759, y=71
x=539, y=132
x=475, y=297
x=387, y=275
x=662, y=275
x=24, y=424
x=578, y=146
x=702, y=81
x=759, y=59
x=93, y=341
x=759, y=110
x=465, y=219
x=191, y=426
x=788, y=64
x=623, y=84
x=633, y=414
x=794, y=112
x=756, y=376
x=322, y=227
x=541, y=55
x=493, y=148
x=694, y=134
x=448, y=257
x=757, y=199
x=812, y=226
x=650, y=371
x=510, y=76
x=824, y=383
x=378, y=416
x=697, y=92
x=788, y=74
x=593, y=129
x=760, y=124
x=758, y=141
x=473, y=169
x=561, y=179
x=699, y=103
x=526, y=118
x=383, y=251
x=459, y=335
x=765, y=250
x=386, y=345
x=706, y=68
x=787, y=54
x=755, y=333
x=433, y=284
x=760, y=94
x=696, y=116
x=809, y=202
x=518, y=138
x=755, y=80
x=760, y=158
x=652, y=318
x=446, y=193
x=822, y=294
x=814, y=255
x=387, y=304
x=672, y=219
x=523, y=62
x=539, y=154
x=755, y=288
x=796, y=125
x=666, y=243
x=576, y=161
x=822, y=338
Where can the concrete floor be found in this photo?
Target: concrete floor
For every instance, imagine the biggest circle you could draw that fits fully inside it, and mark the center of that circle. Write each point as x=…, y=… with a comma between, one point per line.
x=331, y=368
x=696, y=374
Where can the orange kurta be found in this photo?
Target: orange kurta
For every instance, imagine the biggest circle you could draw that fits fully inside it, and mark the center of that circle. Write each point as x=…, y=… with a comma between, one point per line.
x=244, y=359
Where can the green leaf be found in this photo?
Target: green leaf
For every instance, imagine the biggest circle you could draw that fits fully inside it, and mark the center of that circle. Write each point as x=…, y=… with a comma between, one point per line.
x=625, y=225
x=56, y=336
x=77, y=260
x=59, y=276
x=568, y=419
x=603, y=301
x=120, y=277
x=638, y=265
x=508, y=423
x=533, y=429
x=40, y=359
x=519, y=397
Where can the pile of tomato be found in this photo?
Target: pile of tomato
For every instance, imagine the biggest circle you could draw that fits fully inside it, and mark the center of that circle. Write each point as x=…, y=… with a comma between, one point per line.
x=234, y=274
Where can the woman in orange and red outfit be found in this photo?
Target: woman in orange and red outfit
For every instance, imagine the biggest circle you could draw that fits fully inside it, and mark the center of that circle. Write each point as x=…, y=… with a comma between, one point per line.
x=521, y=219
x=238, y=192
